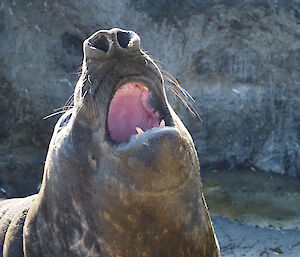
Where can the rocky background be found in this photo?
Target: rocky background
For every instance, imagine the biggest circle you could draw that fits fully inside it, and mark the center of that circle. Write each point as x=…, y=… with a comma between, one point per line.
x=240, y=60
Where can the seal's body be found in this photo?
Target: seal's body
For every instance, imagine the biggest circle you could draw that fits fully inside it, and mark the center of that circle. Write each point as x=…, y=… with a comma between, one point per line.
x=121, y=176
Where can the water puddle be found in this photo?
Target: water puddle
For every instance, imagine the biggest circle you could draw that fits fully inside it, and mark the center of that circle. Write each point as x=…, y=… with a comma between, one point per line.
x=253, y=197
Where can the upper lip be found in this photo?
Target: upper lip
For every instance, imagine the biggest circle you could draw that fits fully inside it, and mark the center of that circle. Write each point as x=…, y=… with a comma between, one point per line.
x=133, y=79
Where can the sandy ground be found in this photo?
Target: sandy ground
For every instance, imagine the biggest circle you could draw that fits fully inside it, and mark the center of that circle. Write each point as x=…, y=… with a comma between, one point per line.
x=242, y=240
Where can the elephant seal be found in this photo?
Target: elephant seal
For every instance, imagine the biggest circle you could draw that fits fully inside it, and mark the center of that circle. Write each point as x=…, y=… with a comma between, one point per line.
x=121, y=176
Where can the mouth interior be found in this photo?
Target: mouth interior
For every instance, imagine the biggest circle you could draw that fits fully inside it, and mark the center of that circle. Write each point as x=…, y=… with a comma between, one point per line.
x=129, y=110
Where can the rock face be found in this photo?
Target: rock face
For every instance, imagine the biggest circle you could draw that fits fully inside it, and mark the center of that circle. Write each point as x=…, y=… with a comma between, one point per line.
x=240, y=60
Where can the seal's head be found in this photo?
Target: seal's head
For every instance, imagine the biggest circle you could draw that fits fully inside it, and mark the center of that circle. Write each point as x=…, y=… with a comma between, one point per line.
x=121, y=176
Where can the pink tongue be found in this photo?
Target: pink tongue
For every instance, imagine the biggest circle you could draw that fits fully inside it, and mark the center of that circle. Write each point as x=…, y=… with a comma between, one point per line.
x=129, y=109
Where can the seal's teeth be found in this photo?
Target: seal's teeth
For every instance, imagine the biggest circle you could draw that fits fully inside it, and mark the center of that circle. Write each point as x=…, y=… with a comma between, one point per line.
x=162, y=123
x=139, y=131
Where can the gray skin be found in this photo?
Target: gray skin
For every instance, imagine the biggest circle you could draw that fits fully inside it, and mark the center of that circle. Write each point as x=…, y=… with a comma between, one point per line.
x=141, y=198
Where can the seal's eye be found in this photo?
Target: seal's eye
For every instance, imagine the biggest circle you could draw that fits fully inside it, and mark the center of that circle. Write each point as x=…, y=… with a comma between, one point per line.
x=65, y=121
x=129, y=112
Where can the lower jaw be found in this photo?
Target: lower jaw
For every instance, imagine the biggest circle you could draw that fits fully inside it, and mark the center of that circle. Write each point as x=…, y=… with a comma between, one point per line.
x=142, y=138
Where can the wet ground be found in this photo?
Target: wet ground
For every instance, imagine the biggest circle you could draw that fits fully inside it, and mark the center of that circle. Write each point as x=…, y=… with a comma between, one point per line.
x=238, y=240
x=254, y=213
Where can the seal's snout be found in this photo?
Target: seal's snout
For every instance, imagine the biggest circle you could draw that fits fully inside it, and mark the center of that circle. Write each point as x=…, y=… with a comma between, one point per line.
x=105, y=43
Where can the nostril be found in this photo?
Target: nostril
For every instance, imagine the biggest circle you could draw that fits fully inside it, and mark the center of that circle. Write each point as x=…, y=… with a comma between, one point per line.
x=123, y=38
x=100, y=43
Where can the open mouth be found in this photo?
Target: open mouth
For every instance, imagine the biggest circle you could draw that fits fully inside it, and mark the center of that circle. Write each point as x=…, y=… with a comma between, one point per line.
x=130, y=113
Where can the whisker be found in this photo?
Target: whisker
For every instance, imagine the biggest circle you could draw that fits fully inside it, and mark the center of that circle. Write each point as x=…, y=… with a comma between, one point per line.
x=173, y=85
x=158, y=62
x=176, y=88
x=65, y=107
x=53, y=114
x=174, y=81
x=68, y=105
